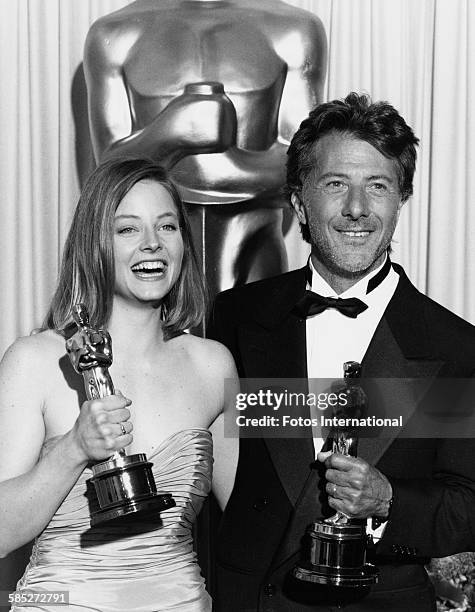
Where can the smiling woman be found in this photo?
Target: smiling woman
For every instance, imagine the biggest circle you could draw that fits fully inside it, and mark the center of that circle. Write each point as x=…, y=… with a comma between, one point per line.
x=129, y=258
x=148, y=244
x=88, y=269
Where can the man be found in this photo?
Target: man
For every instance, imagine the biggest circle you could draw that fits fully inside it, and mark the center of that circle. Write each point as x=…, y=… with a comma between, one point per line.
x=350, y=170
x=214, y=90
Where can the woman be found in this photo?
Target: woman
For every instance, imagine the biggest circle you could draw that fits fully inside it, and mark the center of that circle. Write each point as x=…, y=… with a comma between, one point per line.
x=130, y=260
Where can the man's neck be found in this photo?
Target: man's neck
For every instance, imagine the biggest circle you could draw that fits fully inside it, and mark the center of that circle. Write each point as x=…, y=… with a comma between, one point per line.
x=340, y=283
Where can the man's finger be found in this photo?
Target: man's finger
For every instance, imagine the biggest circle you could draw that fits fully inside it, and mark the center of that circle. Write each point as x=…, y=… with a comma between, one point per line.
x=322, y=456
x=338, y=477
x=344, y=463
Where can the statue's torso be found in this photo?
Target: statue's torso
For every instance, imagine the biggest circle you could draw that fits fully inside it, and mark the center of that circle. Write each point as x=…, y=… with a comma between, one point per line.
x=180, y=47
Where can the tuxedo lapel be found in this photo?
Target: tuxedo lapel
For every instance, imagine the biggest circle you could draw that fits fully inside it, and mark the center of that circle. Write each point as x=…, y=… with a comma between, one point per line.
x=274, y=346
x=401, y=350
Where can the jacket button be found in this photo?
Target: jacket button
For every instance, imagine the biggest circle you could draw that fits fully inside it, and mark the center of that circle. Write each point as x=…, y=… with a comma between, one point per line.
x=270, y=590
x=260, y=504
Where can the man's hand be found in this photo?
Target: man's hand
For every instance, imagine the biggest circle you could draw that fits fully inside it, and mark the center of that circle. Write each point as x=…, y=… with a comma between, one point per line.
x=354, y=487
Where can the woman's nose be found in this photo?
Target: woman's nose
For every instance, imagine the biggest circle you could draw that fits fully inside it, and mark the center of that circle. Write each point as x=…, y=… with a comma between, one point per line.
x=150, y=240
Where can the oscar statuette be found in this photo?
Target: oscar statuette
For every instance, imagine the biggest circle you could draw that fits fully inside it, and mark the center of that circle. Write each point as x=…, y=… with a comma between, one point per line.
x=124, y=484
x=334, y=549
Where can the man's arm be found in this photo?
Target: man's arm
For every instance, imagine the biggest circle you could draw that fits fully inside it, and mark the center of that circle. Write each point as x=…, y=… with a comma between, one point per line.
x=435, y=516
x=429, y=517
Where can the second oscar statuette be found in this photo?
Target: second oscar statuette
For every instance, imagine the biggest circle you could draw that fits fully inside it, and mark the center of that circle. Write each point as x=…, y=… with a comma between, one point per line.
x=334, y=551
x=124, y=484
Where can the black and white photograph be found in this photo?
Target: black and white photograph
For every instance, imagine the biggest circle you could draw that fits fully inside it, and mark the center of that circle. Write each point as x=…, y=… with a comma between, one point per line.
x=237, y=331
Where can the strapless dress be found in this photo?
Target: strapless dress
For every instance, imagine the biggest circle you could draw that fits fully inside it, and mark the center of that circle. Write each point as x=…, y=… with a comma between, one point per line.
x=148, y=566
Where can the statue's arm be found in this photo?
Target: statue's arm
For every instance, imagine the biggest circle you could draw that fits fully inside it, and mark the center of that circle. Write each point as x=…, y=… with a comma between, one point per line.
x=189, y=124
x=247, y=173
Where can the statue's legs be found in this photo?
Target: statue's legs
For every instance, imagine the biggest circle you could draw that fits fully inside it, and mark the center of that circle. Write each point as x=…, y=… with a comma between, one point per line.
x=238, y=243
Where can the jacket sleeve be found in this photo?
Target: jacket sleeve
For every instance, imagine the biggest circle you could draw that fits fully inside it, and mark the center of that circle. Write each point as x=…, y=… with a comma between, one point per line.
x=433, y=514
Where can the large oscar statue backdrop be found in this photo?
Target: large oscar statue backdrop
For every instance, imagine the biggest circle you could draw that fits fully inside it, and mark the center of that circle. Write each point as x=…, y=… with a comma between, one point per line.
x=214, y=90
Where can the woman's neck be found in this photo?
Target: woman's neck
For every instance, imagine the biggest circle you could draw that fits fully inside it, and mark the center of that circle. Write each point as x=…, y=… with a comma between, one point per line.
x=135, y=329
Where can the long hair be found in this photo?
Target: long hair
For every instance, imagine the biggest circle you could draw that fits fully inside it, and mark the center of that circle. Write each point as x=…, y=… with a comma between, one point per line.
x=377, y=123
x=87, y=272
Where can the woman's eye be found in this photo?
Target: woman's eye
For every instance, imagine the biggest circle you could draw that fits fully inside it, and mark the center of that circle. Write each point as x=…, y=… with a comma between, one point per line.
x=126, y=230
x=168, y=227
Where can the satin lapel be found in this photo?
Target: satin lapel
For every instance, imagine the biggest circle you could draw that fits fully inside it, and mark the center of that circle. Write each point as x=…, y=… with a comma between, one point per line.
x=274, y=346
x=400, y=349
x=308, y=509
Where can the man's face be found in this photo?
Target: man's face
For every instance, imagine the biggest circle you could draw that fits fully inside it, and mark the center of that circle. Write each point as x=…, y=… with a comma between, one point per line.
x=350, y=201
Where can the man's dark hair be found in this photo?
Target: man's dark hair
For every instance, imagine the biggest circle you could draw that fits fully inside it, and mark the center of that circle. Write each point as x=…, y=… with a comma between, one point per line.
x=377, y=123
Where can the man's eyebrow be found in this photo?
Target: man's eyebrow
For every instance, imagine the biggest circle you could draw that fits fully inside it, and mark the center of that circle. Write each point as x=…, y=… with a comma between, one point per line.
x=378, y=177
x=372, y=177
x=328, y=175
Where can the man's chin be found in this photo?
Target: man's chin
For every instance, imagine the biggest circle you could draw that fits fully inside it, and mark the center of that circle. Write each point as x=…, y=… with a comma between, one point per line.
x=353, y=270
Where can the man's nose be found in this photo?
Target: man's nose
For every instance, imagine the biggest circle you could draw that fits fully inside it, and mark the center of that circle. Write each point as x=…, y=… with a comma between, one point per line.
x=150, y=240
x=356, y=202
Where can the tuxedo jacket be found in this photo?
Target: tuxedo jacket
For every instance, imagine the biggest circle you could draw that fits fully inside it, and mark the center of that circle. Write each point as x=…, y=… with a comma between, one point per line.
x=278, y=491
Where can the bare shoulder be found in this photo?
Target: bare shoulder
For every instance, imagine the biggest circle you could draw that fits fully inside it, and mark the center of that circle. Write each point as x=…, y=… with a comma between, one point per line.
x=209, y=355
x=44, y=344
x=29, y=375
x=33, y=356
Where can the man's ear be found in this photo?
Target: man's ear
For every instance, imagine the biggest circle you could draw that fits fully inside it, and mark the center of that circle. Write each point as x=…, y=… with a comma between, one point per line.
x=299, y=208
x=399, y=208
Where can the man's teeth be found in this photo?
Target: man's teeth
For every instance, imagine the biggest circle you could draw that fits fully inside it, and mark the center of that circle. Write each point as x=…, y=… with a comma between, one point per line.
x=356, y=234
x=149, y=266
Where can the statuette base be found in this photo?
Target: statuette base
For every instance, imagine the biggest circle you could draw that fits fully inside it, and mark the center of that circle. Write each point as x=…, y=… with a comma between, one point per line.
x=125, y=486
x=364, y=576
x=335, y=554
x=154, y=503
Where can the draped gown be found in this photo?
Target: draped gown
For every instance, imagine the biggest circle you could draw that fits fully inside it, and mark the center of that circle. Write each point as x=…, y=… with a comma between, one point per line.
x=148, y=566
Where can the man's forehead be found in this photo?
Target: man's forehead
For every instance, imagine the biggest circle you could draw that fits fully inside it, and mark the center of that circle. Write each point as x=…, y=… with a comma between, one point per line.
x=342, y=153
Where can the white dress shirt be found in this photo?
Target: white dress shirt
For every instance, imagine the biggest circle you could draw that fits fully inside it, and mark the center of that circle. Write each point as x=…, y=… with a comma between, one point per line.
x=333, y=338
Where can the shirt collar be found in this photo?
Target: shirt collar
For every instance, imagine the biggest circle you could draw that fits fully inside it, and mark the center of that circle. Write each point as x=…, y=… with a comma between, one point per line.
x=319, y=284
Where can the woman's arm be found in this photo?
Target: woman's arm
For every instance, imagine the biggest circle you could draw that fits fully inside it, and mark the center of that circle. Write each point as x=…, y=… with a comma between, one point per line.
x=34, y=483
x=224, y=431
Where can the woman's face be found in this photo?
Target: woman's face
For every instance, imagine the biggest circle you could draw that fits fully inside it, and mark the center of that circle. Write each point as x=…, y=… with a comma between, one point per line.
x=148, y=245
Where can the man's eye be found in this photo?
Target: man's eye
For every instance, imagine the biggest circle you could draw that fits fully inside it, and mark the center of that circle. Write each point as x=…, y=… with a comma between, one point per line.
x=379, y=188
x=335, y=187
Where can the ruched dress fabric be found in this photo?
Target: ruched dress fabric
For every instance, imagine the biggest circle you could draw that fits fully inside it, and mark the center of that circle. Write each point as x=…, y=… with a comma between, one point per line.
x=149, y=566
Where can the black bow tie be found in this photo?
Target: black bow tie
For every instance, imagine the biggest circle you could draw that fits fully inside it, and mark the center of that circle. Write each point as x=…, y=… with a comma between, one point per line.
x=311, y=304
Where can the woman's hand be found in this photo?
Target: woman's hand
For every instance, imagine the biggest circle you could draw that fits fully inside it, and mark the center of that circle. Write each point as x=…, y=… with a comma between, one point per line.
x=103, y=427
